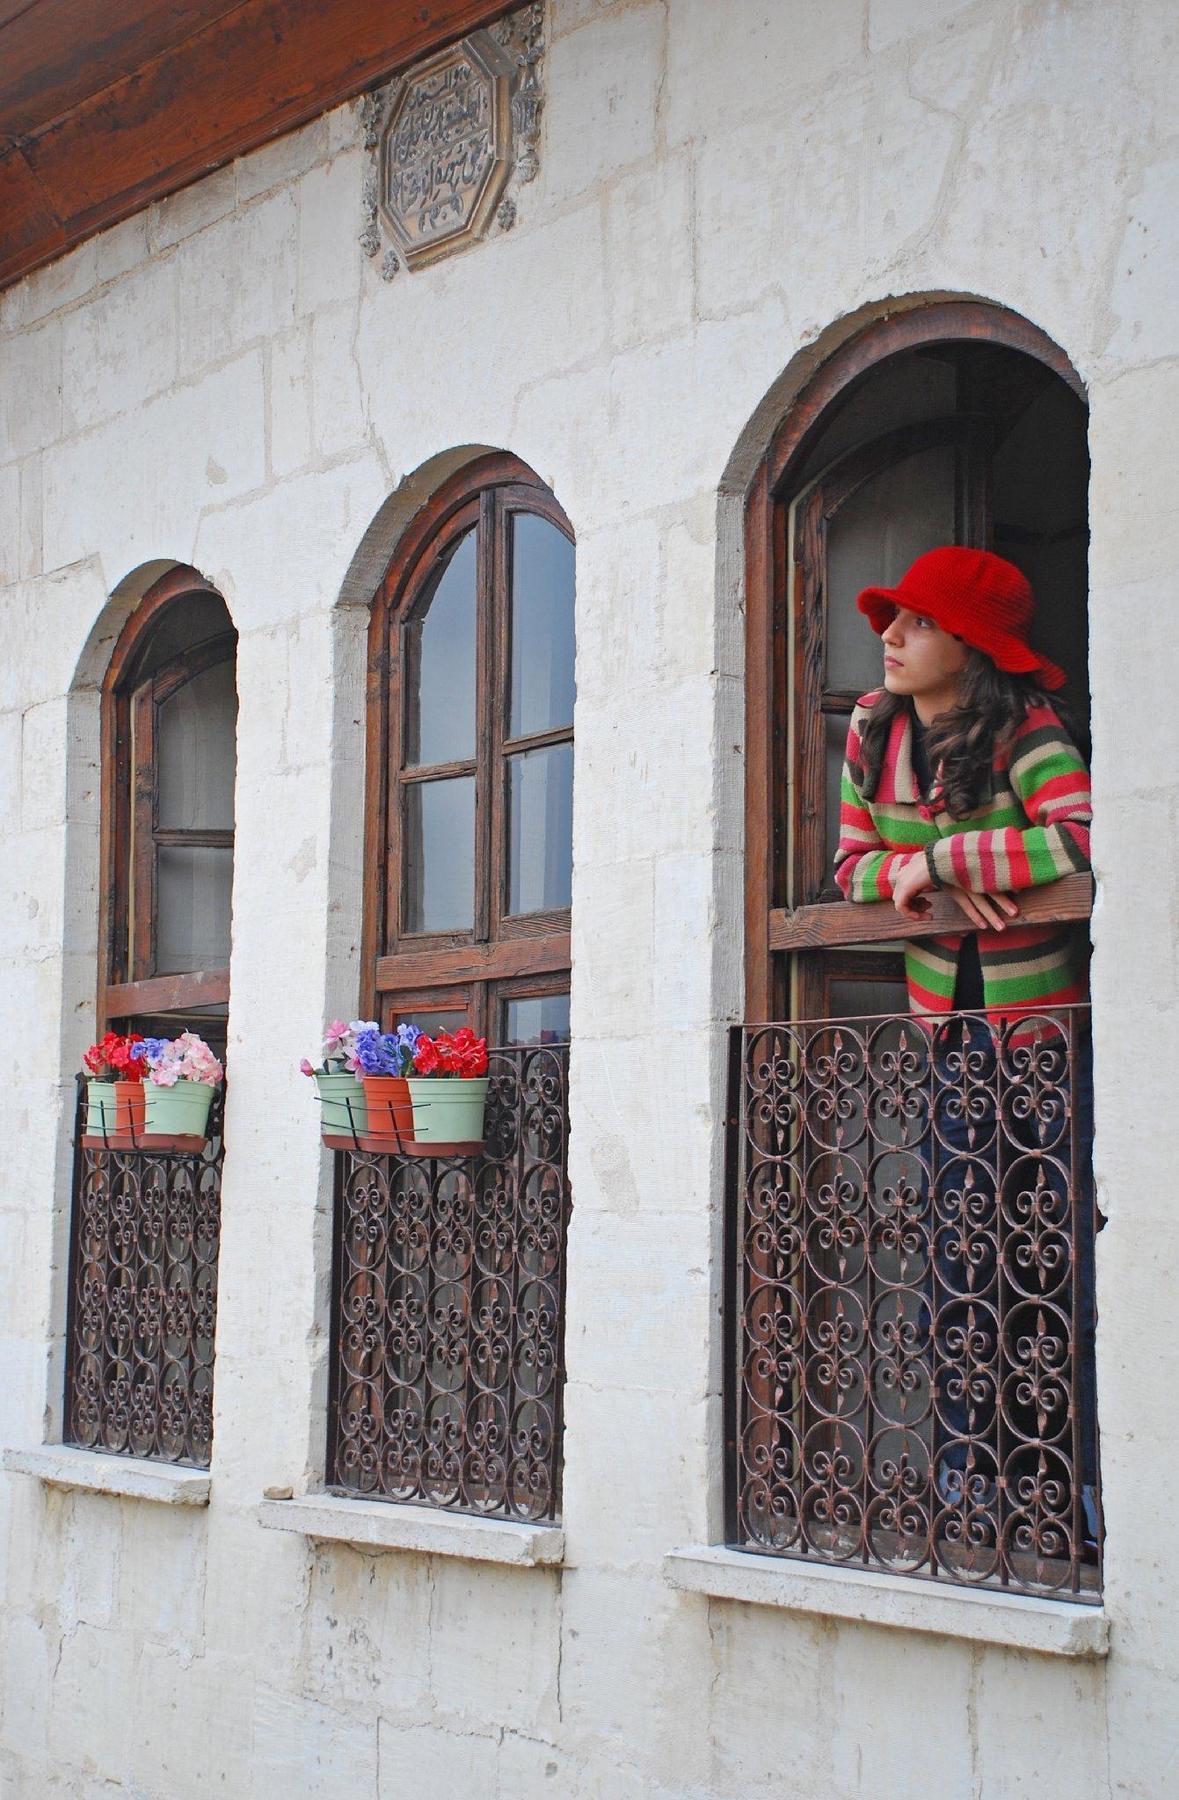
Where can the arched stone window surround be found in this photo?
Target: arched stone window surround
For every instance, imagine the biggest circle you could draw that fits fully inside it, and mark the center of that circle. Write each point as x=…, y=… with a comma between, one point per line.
x=917, y=325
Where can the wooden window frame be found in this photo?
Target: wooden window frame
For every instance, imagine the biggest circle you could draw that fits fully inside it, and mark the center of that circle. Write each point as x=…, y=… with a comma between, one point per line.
x=127, y=816
x=771, y=925
x=816, y=697
x=399, y=967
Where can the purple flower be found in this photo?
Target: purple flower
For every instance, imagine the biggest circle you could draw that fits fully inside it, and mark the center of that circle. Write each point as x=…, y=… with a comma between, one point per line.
x=407, y=1042
x=376, y=1053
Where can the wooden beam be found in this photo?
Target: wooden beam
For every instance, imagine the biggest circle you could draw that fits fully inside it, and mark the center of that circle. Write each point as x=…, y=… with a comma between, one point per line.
x=57, y=53
x=511, y=957
x=82, y=160
x=843, y=922
x=167, y=993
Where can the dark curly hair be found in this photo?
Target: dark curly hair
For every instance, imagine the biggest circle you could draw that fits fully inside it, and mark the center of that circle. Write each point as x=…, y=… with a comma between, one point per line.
x=961, y=743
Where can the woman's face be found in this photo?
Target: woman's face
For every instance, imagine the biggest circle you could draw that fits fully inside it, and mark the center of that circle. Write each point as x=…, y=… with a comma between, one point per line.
x=921, y=660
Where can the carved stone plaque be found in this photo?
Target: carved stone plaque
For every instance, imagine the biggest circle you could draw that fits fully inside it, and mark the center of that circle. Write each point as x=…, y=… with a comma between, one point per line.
x=446, y=139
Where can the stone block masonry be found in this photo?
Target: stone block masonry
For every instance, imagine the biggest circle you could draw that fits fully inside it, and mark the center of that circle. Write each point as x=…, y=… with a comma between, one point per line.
x=228, y=382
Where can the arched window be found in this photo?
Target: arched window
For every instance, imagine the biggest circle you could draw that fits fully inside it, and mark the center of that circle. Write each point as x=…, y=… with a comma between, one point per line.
x=447, y=1332
x=168, y=765
x=145, y=1224
x=947, y=424
x=470, y=758
x=913, y=1205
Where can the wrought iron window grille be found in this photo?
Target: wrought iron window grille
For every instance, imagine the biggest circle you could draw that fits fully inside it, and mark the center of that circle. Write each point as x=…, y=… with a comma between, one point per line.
x=447, y=1342
x=910, y=1219
x=142, y=1304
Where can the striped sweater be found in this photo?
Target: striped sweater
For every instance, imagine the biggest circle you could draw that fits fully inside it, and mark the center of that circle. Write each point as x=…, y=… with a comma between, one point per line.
x=1033, y=829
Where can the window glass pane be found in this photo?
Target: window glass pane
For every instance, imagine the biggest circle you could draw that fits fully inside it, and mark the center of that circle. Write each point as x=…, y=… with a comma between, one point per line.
x=431, y=1022
x=440, y=855
x=540, y=1020
x=196, y=752
x=542, y=627
x=871, y=541
x=540, y=829
x=440, y=664
x=192, y=918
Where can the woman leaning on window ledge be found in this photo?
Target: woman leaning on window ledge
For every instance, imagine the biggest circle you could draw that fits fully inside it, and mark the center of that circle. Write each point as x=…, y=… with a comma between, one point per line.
x=959, y=774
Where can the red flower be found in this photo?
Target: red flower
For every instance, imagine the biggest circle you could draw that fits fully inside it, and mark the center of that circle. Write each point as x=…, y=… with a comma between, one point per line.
x=459, y=1053
x=114, y=1056
x=470, y=1053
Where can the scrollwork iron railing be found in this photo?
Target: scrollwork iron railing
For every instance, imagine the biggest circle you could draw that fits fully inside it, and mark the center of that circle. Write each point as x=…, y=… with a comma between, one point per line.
x=448, y=1309
x=142, y=1314
x=911, y=1222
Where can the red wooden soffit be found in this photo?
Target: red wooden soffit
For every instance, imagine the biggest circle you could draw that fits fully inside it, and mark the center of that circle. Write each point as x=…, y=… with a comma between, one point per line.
x=106, y=105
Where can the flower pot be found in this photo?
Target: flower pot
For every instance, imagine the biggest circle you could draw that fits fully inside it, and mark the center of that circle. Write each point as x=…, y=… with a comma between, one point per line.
x=100, y=1108
x=390, y=1115
x=129, y=1105
x=180, y=1111
x=448, y=1109
x=341, y=1105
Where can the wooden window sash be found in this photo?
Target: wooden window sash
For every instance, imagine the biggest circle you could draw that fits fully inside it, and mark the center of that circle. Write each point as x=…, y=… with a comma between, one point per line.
x=394, y=1005
x=506, y=924
x=815, y=699
x=400, y=965
x=129, y=986
x=148, y=836
x=399, y=776
x=526, y=987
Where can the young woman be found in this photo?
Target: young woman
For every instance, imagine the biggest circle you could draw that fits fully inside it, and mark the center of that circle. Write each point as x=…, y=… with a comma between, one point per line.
x=961, y=776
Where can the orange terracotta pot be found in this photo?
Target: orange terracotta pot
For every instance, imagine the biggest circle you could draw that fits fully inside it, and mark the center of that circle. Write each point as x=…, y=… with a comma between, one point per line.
x=390, y=1111
x=129, y=1107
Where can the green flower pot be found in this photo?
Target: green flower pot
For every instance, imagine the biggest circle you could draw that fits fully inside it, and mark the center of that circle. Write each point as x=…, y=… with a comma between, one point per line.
x=338, y=1094
x=180, y=1111
x=100, y=1108
x=448, y=1109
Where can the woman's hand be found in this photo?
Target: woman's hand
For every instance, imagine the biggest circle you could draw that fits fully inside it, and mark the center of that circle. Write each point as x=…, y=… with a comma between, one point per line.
x=910, y=885
x=988, y=912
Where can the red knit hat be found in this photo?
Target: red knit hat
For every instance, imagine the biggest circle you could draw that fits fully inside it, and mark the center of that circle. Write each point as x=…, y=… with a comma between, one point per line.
x=980, y=598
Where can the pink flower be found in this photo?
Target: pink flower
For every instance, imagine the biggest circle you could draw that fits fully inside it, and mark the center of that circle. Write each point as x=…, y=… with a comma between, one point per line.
x=305, y=1066
x=186, y=1058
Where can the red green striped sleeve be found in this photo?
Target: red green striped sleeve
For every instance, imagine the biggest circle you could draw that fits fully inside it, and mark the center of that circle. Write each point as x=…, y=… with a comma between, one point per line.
x=1052, y=782
x=865, y=866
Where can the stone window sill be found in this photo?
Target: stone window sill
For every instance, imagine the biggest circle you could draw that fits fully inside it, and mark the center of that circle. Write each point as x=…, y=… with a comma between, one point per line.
x=385, y=1525
x=1019, y=1621
x=95, y=1472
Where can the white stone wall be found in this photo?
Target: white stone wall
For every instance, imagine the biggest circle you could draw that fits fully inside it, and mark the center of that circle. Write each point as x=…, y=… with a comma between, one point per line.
x=224, y=380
